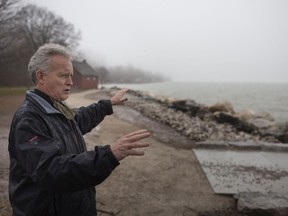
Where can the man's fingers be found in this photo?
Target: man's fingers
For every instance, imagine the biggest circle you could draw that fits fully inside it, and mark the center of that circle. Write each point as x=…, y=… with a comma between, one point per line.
x=123, y=100
x=137, y=145
x=136, y=134
x=117, y=98
x=124, y=90
x=132, y=148
x=121, y=93
x=138, y=137
x=129, y=144
x=135, y=153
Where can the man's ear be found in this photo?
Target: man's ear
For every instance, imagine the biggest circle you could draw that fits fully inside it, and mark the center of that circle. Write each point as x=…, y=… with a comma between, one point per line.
x=40, y=77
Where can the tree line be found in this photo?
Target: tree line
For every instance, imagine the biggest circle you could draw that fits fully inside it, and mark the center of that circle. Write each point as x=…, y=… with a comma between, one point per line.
x=25, y=27
x=131, y=74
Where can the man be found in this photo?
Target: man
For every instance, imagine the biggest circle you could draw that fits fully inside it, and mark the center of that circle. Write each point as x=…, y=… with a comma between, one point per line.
x=51, y=172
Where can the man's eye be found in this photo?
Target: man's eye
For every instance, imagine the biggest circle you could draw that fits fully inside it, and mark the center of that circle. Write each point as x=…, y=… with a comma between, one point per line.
x=66, y=75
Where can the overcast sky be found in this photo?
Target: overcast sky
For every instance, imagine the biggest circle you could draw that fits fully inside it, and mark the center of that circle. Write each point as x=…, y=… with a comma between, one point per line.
x=186, y=40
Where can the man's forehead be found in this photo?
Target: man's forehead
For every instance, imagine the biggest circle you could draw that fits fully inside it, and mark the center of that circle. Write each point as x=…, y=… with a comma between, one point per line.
x=61, y=62
x=59, y=59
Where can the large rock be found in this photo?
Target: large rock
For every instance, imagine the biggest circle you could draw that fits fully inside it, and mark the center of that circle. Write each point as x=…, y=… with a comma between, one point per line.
x=269, y=127
x=224, y=106
x=223, y=117
x=190, y=107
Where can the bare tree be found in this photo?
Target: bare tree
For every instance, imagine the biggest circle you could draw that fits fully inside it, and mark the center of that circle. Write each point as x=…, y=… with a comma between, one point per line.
x=40, y=26
x=8, y=9
x=27, y=29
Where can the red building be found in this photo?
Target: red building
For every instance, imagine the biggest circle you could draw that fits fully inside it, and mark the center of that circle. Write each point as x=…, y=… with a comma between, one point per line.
x=85, y=77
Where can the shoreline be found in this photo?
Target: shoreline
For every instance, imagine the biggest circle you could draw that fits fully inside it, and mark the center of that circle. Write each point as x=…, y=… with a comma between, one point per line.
x=257, y=97
x=201, y=123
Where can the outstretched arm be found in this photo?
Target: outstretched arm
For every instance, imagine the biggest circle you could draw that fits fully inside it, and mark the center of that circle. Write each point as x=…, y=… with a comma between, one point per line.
x=90, y=116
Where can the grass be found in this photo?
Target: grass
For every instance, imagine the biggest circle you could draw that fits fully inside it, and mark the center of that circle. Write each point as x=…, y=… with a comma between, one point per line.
x=10, y=99
x=9, y=91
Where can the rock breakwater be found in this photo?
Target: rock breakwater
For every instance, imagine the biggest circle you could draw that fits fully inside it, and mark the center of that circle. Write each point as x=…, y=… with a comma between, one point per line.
x=199, y=122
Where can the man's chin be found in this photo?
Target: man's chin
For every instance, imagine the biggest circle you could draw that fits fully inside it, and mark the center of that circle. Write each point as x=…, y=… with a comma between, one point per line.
x=64, y=97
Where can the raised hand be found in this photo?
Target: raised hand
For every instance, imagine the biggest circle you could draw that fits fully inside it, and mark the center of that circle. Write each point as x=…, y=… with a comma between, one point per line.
x=118, y=99
x=127, y=145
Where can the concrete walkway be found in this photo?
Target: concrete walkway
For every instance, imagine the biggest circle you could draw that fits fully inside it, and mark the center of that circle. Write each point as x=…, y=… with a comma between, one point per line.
x=246, y=170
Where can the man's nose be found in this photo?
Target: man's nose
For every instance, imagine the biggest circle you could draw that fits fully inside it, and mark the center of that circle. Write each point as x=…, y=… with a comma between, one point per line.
x=69, y=81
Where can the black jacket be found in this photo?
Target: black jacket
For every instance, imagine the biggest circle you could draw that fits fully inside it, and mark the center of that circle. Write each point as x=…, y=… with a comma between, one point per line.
x=51, y=172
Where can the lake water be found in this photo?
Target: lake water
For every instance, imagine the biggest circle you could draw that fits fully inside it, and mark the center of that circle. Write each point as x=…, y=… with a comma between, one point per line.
x=258, y=97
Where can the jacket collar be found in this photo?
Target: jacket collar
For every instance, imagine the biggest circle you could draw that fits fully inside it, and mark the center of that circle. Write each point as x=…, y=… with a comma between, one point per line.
x=42, y=102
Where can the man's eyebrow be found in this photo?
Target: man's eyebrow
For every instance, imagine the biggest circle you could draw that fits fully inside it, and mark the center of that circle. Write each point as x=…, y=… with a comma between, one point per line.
x=65, y=73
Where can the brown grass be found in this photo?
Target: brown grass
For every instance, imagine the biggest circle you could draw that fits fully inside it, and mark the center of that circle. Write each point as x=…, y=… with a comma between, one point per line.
x=10, y=99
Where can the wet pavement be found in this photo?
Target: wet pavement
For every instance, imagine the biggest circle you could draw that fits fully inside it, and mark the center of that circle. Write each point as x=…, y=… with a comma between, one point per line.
x=257, y=178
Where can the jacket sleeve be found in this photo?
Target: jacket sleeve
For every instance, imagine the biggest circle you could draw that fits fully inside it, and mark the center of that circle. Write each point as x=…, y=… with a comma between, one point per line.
x=39, y=155
x=89, y=117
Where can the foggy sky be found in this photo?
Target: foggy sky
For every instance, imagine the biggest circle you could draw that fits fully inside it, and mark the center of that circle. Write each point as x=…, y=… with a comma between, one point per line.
x=187, y=40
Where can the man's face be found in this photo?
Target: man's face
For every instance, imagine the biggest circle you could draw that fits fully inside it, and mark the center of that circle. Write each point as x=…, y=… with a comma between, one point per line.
x=58, y=81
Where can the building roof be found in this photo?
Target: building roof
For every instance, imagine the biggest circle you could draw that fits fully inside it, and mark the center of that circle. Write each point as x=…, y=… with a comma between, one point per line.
x=84, y=68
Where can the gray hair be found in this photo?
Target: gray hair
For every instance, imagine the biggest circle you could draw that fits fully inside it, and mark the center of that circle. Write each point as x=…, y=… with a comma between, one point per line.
x=41, y=58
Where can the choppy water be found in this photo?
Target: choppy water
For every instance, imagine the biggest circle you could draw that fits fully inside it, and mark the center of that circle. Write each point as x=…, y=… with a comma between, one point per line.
x=258, y=97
